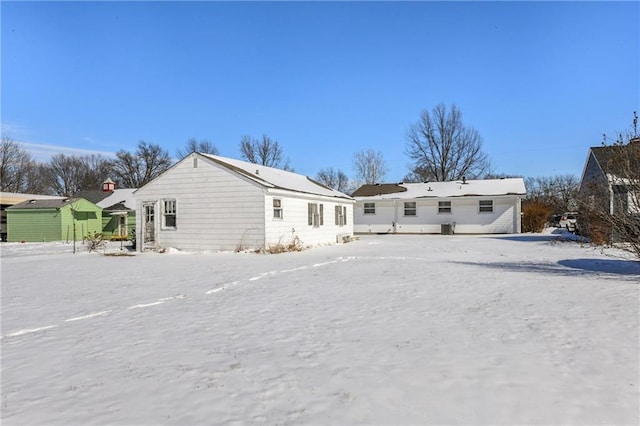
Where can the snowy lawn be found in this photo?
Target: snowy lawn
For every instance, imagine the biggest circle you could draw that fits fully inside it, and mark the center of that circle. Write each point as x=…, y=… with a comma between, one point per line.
x=520, y=329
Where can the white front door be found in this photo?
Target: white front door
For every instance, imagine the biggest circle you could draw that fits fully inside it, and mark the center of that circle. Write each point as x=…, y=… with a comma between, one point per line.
x=149, y=225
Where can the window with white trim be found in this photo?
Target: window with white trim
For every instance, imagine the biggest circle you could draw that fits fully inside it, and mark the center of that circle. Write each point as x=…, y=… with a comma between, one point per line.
x=315, y=214
x=277, y=208
x=369, y=208
x=341, y=215
x=485, y=206
x=444, y=206
x=169, y=215
x=410, y=208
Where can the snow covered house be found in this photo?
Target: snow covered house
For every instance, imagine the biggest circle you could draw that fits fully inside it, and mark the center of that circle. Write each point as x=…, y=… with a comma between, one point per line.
x=490, y=206
x=206, y=202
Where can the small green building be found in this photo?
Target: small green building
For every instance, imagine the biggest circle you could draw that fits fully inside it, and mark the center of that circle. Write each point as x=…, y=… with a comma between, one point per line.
x=53, y=220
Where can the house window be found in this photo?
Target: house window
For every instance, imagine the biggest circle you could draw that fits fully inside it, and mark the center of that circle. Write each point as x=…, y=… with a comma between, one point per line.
x=444, y=206
x=410, y=208
x=369, y=208
x=169, y=214
x=315, y=214
x=341, y=215
x=277, y=208
x=485, y=206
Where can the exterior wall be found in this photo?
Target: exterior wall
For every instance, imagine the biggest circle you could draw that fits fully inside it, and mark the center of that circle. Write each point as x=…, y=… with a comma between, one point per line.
x=215, y=209
x=34, y=225
x=295, y=223
x=88, y=220
x=110, y=224
x=465, y=216
x=38, y=225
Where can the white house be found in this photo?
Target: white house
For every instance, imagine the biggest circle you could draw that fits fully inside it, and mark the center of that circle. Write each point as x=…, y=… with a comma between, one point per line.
x=490, y=206
x=207, y=202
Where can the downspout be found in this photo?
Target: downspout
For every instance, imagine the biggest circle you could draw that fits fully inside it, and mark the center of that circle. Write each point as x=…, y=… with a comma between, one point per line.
x=395, y=216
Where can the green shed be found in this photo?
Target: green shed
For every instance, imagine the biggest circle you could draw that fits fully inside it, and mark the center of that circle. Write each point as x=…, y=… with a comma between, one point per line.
x=53, y=220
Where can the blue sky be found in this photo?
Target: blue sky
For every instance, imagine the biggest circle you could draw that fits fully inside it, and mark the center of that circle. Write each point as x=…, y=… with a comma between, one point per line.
x=540, y=81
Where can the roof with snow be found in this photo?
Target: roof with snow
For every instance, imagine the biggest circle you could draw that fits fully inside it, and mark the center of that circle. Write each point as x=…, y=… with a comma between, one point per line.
x=18, y=197
x=118, y=199
x=275, y=178
x=469, y=188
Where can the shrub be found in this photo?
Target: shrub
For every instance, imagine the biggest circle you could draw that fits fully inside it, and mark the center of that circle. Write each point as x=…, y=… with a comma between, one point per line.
x=535, y=217
x=95, y=241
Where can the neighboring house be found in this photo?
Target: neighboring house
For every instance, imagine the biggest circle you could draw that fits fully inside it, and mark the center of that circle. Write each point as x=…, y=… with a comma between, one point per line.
x=118, y=210
x=40, y=220
x=207, y=202
x=611, y=173
x=491, y=206
x=8, y=199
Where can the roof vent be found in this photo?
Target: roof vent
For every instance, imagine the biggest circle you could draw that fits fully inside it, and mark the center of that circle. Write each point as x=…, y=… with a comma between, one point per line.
x=400, y=183
x=377, y=184
x=464, y=180
x=429, y=189
x=257, y=171
x=32, y=201
x=426, y=181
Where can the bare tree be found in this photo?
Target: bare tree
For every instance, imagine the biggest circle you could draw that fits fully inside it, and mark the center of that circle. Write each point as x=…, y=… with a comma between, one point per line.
x=133, y=170
x=556, y=192
x=204, y=146
x=68, y=174
x=38, y=180
x=15, y=164
x=335, y=179
x=369, y=166
x=443, y=148
x=266, y=152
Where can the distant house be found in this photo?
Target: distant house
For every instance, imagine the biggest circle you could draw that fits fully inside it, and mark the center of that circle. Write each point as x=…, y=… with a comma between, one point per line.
x=118, y=209
x=207, y=202
x=8, y=199
x=612, y=174
x=40, y=220
x=491, y=206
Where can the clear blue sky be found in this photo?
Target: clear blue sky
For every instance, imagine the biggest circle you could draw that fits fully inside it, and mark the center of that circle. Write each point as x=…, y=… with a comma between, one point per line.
x=540, y=81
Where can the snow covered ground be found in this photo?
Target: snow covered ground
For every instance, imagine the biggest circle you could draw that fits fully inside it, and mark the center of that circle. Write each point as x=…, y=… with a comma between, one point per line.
x=514, y=329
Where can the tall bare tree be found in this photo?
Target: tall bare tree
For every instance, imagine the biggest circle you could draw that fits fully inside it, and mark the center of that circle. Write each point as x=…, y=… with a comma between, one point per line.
x=15, y=164
x=443, y=148
x=369, y=166
x=267, y=152
x=333, y=178
x=556, y=192
x=68, y=174
x=204, y=146
x=133, y=170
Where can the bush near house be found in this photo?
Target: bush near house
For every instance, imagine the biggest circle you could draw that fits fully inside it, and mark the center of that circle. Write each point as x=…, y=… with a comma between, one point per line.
x=535, y=216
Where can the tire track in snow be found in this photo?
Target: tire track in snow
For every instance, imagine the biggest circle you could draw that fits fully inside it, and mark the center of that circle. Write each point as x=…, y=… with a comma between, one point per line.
x=163, y=300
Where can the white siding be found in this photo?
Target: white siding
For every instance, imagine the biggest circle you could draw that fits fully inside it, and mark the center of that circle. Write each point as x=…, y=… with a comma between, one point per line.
x=294, y=222
x=216, y=209
x=465, y=216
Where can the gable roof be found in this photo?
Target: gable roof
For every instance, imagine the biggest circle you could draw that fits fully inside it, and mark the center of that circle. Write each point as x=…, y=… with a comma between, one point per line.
x=470, y=188
x=271, y=177
x=606, y=157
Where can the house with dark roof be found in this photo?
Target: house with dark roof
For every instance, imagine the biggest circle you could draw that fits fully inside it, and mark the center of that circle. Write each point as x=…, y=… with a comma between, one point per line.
x=611, y=174
x=58, y=219
x=490, y=206
x=208, y=202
